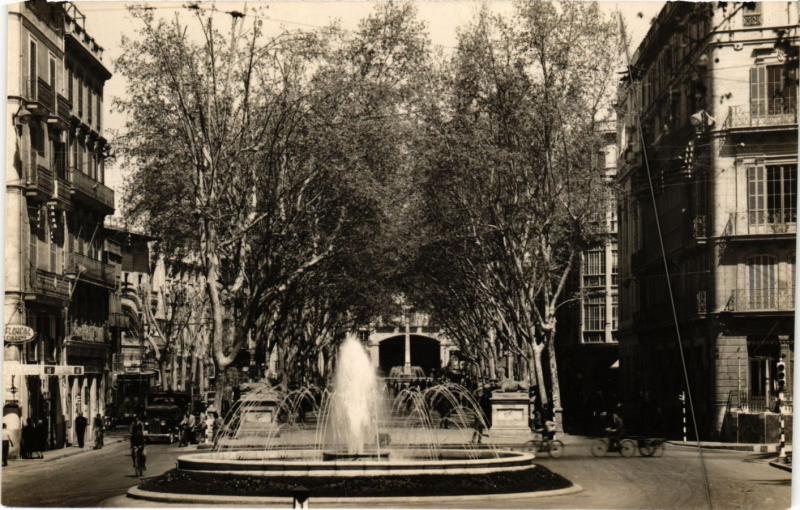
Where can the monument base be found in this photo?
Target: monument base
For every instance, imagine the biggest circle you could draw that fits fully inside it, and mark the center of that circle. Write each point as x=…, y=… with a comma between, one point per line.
x=510, y=412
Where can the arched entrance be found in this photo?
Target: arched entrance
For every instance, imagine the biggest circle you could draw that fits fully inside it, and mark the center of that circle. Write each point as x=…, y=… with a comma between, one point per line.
x=425, y=353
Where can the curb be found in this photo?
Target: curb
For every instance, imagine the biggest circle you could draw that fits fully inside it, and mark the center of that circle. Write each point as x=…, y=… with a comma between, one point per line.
x=207, y=499
x=756, y=448
x=82, y=450
x=780, y=465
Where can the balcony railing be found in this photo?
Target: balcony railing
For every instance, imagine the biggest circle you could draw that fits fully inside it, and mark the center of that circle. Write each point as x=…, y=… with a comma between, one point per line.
x=763, y=223
x=772, y=299
x=49, y=284
x=93, y=190
x=88, y=332
x=64, y=107
x=702, y=302
x=699, y=227
x=92, y=269
x=778, y=112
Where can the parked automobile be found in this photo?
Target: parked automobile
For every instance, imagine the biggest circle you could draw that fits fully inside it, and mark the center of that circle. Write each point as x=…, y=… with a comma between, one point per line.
x=162, y=417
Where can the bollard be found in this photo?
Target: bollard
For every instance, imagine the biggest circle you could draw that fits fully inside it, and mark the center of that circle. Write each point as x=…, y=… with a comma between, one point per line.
x=300, y=498
x=682, y=398
x=782, y=447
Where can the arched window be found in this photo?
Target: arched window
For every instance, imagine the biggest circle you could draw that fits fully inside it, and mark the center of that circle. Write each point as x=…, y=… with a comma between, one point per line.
x=762, y=282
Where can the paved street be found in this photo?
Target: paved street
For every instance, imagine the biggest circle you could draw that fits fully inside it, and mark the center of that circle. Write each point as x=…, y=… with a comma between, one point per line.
x=739, y=480
x=85, y=479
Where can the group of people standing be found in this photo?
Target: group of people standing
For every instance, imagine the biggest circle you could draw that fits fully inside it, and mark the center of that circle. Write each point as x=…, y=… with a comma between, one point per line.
x=34, y=439
x=207, y=426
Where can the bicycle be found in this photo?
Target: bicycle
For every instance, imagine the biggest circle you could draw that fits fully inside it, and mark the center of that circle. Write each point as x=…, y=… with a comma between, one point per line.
x=625, y=447
x=137, y=454
x=552, y=447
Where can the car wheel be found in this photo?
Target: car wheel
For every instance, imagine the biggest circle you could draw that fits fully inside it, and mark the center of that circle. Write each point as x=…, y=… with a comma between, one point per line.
x=556, y=449
x=627, y=448
x=599, y=448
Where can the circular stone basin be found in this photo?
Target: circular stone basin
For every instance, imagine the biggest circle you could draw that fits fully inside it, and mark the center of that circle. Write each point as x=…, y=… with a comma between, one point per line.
x=342, y=455
x=312, y=463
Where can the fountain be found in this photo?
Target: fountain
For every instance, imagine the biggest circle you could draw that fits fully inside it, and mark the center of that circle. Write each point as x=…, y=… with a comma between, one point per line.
x=363, y=444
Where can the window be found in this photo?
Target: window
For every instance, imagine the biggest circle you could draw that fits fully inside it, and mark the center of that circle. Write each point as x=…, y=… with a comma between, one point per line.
x=613, y=218
x=772, y=93
x=70, y=86
x=89, y=101
x=771, y=194
x=614, y=266
x=615, y=312
x=751, y=14
x=594, y=318
x=32, y=70
x=594, y=268
x=80, y=96
x=51, y=76
x=762, y=282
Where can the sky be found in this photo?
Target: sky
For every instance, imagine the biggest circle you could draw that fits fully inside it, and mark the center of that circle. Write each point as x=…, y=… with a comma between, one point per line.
x=107, y=22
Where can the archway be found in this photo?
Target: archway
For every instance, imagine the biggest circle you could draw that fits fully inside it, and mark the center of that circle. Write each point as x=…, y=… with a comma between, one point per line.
x=425, y=353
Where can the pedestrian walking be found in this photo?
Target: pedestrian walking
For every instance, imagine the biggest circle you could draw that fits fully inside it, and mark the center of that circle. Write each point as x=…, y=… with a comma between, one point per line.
x=183, y=430
x=7, y=444
x=137, y=446
x=190, y=430
x=98, y=431
x=209, y=428
x=28, y=447
x=80, y=428
x=41, y=438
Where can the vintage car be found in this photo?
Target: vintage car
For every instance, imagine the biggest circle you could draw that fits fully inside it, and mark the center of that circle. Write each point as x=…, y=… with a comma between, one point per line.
x=162, y=417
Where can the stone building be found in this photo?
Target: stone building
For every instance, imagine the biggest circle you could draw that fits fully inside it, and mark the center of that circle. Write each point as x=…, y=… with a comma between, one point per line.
x=588, y=351
x=163, y=341
x=715, y=87
x=58, y=281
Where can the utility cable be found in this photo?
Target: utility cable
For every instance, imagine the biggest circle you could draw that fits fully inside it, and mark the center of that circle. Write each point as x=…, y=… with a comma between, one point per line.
x=666, y=265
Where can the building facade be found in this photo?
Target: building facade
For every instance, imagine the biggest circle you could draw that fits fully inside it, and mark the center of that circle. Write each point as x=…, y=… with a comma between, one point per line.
x=587, y=344
x=58, y=281
x=164, y=334
x=715, y=89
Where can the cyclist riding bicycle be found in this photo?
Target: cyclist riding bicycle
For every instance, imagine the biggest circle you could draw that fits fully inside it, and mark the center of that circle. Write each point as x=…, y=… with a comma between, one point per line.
x=617, y=429
x=137, y=445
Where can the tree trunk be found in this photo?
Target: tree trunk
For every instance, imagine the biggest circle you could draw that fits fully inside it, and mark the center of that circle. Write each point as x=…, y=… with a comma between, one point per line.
x=556, y=389
x=163, y=370
x=184, y=372
x=174, y=361
x=537, y=359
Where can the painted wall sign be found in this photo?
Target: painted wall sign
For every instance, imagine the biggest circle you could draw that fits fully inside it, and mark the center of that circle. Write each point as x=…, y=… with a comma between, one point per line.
x=18, y=334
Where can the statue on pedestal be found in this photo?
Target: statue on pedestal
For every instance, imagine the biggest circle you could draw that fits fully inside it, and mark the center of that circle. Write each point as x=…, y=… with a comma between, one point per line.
x=508, y=384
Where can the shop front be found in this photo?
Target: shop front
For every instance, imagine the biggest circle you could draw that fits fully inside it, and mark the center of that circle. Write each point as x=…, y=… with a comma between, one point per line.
x=85, y=393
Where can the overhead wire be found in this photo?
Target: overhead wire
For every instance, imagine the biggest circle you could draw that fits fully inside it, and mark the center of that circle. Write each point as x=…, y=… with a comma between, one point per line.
x=668, y=279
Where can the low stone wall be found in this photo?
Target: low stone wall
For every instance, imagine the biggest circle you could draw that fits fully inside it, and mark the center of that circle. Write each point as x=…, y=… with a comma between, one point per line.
x=746, y=427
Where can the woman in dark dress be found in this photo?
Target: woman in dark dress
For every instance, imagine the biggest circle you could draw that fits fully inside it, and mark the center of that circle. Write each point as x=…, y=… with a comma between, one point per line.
x=27, y=446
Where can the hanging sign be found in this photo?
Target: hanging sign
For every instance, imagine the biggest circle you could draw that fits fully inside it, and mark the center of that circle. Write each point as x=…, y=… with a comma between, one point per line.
x=18, y=334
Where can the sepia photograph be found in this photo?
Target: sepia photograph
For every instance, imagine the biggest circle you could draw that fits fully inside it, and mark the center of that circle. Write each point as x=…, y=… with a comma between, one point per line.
x=400, y=254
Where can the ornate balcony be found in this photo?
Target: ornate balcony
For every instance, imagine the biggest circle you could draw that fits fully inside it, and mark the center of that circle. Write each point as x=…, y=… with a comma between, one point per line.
x=779, y=113
x=92, y=269
x=49, y=284
x=88, y=332
x=772, y=299
x=92, y=192
x=763, y=223
x=699, y=228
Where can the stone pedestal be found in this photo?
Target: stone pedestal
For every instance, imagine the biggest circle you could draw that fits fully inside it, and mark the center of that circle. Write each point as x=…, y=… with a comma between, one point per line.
x=510, y=411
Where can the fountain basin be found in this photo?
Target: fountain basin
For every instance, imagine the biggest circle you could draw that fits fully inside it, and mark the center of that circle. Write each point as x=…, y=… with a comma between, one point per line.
x=311, y=463
x=281, y=473
x=347, y=456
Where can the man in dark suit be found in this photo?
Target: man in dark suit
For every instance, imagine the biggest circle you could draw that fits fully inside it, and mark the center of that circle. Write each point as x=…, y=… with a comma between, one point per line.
x=80, y=428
